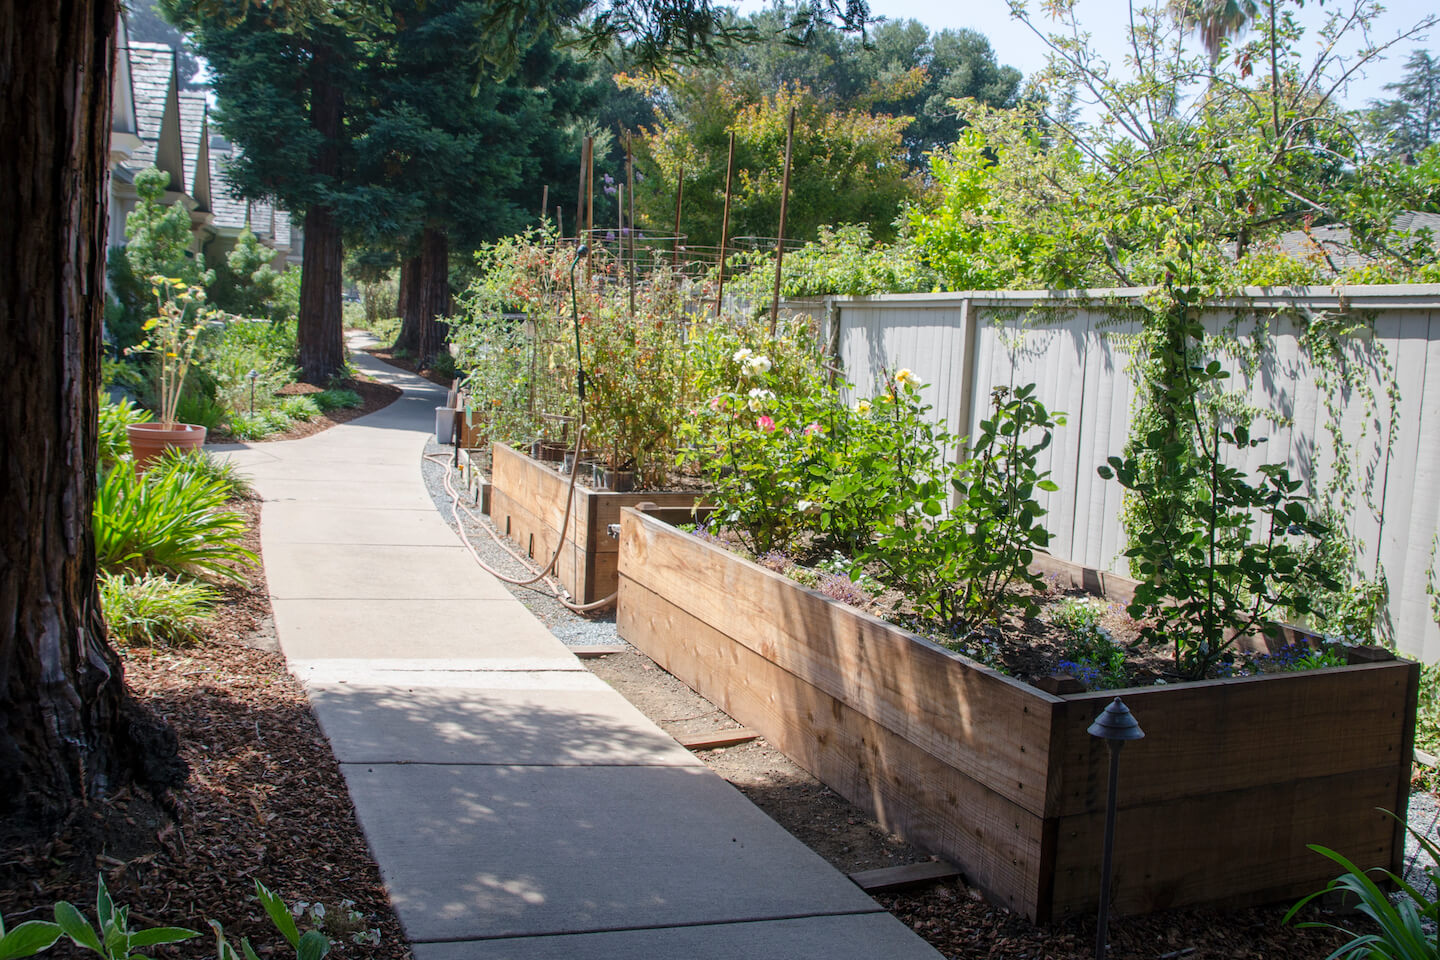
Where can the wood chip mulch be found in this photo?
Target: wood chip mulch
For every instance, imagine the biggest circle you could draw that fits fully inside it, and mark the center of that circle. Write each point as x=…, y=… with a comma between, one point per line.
x=373, y=394
x=960, y=924
x=265, y=800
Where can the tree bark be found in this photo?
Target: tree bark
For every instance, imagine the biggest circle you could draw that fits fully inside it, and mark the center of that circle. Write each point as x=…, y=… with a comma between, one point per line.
x=434, y=299
x=408, y=340
x=320, y=331
x=68, y=732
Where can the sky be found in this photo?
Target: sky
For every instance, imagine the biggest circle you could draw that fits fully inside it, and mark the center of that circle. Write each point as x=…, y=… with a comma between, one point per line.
x=1015, y=45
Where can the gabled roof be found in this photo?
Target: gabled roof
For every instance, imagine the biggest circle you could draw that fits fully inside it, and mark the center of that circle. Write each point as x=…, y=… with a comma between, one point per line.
x=228, y=212
x=122, y=111
x=194, y=136
x=157, y=110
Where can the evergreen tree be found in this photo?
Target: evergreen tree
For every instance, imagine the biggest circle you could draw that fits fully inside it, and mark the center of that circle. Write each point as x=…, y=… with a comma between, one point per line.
x=1410, y=122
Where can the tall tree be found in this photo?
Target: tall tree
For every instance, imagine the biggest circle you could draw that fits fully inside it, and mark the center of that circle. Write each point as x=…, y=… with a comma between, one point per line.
x=282, y=86
x=462, y=159
x=1411, y=121
x=67, y=729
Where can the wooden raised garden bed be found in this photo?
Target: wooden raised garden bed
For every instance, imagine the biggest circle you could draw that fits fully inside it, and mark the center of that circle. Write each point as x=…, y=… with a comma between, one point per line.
x=1216, y=804
x=527, y=502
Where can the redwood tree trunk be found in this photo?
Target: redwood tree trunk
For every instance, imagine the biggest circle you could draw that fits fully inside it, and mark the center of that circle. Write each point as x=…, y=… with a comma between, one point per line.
x=434, y=299
x=67, y=730
x=408, y=340
x=320, y=332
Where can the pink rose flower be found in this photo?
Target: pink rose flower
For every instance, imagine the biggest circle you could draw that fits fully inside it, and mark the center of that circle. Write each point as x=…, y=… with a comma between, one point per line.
x=766, y=423
x=811, y=429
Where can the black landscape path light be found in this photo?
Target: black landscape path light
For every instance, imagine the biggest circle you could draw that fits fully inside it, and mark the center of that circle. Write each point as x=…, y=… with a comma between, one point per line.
x=1115, y=725
x=253, y=375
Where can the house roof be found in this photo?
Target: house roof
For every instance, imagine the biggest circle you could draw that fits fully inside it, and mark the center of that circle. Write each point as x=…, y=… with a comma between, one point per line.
x=1335, y=246
x=157, y=110
x=227, y=211
x=282, y=229
x=194, y=129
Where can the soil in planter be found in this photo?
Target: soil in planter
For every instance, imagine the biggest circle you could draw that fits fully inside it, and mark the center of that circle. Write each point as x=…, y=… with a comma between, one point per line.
x=1027, y=648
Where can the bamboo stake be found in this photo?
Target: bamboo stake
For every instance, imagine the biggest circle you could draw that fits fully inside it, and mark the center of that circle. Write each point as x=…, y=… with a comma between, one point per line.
x=559, y=221
x=780, y=240
x=544, y=201
x=725, y=224
x=634, y=251
x=679, y=196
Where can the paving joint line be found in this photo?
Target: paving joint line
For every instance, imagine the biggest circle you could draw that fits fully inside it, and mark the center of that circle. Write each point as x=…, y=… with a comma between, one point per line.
x=660, y=926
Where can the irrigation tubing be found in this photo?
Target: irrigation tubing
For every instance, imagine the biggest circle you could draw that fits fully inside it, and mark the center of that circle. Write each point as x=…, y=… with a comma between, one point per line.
x=556, y=591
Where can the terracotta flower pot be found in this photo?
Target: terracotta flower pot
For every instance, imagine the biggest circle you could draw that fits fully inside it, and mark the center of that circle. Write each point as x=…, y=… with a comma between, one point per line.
x=148, y=441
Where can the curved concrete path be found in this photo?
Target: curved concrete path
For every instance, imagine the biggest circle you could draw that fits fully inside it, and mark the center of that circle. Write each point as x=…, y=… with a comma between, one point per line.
x=518, y=807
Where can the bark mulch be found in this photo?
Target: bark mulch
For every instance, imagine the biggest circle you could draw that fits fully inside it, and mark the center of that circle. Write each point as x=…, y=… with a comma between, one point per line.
x=265, y=801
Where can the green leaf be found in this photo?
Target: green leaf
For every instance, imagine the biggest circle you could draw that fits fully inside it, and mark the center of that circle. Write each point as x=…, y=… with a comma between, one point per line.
x=1049, y=486
x=76, y=927
x=149, y=938
x=313, y=946
x=28, y=939
x=279, y=913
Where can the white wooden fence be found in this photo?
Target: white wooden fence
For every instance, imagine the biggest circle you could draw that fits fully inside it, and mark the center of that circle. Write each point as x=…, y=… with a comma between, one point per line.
x=1385, y=425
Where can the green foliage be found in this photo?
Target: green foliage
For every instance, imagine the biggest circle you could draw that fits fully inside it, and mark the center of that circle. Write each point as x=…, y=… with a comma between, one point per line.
x=964, y=567
x=169, y=521
x=1207, y=576
x=28, y=939
x=200, y=465
x=636, y=383
x=258, y=426
x=154, y=610
x=1404, y=927
x=1410, y=122
x=112, y=936
x=847, y=165
x=302, y=408
x=337, y=398
x=247, y=285
x=172, y=337
x=1168, y=177
x=1427, y=712
x=157, y=243
x=195, y=407
x=232, y=352
x=114, y=418
x=841, y=261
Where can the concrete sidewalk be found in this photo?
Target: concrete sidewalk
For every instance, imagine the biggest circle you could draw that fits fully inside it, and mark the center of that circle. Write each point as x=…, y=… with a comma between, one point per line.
x=518, y=807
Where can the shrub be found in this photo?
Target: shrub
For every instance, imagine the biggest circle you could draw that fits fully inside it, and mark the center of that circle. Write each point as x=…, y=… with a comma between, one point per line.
x=171, y=521
x=963, y=567
x=114, y=418
x=1405, y=925
x=258, y=426
x=336, y=398
x=200, y=465
x=303, y=408
x=154, y=610
x=1207, y=577
x=196, y=408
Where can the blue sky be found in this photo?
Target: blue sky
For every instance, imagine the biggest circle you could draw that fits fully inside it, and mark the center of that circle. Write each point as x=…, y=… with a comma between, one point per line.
x=1015, y=45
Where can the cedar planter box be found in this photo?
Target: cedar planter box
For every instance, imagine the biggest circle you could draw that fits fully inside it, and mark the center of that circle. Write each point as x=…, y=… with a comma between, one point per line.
x=1216, y=804
x=527, y=502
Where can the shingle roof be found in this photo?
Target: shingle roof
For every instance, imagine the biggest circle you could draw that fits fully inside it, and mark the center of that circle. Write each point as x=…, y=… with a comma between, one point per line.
x=227, y=212
x=193, y=110
x=151, y=67
x=262, y=219
x=282, y=228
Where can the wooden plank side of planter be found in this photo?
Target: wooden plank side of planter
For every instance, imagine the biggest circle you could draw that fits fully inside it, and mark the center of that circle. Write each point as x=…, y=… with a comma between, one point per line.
x=535, y=487
x=1241, y=847
x=606, y=507
x=997, y=842
x=511, y=517
x=1268, y=729
x=985, y=725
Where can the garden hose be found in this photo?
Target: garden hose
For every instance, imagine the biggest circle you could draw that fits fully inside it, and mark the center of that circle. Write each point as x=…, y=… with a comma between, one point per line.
x=455, y=506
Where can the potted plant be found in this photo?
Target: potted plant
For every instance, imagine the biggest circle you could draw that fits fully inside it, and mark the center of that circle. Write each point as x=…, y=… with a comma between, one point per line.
x=171, y=335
